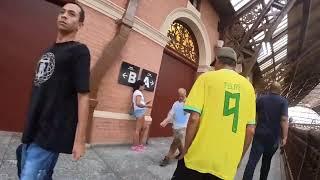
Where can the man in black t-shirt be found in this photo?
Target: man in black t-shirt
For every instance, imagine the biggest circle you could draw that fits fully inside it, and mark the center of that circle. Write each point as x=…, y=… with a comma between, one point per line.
x=59, y=107
x=272, y=128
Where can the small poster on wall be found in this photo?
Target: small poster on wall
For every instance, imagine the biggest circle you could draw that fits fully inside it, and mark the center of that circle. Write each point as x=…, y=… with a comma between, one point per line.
x=128, y=74
x=149, y=79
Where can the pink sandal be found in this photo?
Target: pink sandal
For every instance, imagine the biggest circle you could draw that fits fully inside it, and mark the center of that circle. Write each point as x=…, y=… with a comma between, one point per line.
x=135, y=148
x=141, y=146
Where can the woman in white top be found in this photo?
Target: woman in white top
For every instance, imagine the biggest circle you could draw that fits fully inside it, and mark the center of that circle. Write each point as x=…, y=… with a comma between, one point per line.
x=139, y=110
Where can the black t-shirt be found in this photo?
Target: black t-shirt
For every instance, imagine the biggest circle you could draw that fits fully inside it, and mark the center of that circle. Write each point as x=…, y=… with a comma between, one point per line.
x=270, y=109
x=62, y=72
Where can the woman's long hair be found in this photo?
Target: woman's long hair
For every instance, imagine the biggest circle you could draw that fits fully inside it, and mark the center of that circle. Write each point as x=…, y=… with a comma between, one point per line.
x=137, y=85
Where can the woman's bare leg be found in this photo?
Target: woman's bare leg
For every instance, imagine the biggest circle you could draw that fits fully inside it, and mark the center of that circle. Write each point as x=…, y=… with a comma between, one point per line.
x=142, y=130
x=136, y=137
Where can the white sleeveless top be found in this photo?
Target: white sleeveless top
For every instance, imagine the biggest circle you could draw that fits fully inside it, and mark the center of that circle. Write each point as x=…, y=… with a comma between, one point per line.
x=135, y=94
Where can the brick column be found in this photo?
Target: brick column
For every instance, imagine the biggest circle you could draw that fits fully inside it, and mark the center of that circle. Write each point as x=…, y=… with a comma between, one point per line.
x=108, y=57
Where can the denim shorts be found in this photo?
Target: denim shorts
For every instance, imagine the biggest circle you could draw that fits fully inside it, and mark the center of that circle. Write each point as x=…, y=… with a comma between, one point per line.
x=139, y=113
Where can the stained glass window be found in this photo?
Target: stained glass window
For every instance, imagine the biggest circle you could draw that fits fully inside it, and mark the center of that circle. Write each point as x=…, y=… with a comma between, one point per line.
x=182, y=41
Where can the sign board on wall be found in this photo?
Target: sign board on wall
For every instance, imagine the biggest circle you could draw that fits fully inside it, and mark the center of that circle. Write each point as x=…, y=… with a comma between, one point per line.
x=128, y=74
x=149, y=78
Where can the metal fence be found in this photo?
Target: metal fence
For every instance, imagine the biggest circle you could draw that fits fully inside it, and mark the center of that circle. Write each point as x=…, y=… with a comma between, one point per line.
x=302, y=154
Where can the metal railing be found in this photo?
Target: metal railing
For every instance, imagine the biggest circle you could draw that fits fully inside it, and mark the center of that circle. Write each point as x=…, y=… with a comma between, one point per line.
x=302, y=154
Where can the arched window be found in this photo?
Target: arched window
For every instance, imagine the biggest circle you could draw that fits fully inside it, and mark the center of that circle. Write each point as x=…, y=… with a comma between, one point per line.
x=183, y=41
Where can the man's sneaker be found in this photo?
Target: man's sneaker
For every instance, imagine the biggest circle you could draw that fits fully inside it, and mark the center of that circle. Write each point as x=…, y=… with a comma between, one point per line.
x=164, y=162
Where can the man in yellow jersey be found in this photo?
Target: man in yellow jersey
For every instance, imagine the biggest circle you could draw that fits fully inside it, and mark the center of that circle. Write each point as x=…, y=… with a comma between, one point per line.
x=222, y=122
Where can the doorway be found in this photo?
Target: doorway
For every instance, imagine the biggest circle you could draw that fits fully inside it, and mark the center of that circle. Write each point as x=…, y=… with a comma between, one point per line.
x=28, y=27
x=174, y=74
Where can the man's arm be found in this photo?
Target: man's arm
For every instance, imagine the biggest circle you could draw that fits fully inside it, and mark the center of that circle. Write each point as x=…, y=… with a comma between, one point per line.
x=284, y=129
x=168, y=119
x=284, y=122
x=248, y=138
x=192, y=129
x=83, y=115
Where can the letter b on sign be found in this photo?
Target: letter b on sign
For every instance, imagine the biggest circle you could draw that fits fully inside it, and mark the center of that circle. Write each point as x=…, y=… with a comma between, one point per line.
x=132, y=77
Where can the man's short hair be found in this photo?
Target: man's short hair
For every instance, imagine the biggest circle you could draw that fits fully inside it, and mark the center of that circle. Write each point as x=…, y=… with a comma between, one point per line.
x=275, y=87
x=81, y=14
x=227, y=61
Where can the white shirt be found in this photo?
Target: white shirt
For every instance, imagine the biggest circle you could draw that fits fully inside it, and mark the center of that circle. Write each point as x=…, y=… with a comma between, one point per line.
x=135, y=94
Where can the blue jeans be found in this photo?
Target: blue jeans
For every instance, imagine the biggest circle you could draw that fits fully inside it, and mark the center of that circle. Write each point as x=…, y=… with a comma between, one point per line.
x=260, y=146
x=139, y=113
x=37, y=163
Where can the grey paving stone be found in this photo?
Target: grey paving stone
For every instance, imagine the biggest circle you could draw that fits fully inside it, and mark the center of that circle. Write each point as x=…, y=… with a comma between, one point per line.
x=7, y=177
x=11, y=152
x=6, y=133
x=8, y=170
x=107, y=176
x=65, y=162
x=128, y=165
x=5, y=139
x=163, y=173
x=93, y=167
x=112, y=162
x=138, y=175
x=3, y=149
x=76, y=175
x=63, y=174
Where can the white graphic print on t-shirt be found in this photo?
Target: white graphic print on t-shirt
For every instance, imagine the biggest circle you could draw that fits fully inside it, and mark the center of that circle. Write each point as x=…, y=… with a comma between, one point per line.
x=44, y=69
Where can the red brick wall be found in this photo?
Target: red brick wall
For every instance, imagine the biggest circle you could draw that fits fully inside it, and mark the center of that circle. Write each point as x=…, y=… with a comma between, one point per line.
x=154, y=12
x=114, y=131
x=97, y=31
x=210, y=19
x=140, y=51
x=115, y=97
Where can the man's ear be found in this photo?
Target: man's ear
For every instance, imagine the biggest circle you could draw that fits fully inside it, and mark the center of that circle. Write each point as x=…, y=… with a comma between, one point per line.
x=80, y=25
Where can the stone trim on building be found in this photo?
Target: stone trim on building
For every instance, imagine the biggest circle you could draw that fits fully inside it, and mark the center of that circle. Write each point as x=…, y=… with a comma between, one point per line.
x=192, y=19
x=193, y=9
x=114, y=115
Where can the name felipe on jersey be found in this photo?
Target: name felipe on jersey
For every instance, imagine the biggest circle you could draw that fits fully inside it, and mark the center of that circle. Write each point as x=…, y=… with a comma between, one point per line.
x=231, y=86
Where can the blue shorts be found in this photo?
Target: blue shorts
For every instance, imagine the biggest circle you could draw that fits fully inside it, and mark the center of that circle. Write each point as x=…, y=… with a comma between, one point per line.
x=139, y=113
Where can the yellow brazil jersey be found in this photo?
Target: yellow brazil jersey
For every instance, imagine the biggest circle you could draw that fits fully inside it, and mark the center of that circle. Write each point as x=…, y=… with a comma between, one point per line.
x=226, y=103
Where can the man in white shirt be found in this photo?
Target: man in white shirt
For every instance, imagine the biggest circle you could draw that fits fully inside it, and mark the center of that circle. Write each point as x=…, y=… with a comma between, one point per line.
x=179, y=118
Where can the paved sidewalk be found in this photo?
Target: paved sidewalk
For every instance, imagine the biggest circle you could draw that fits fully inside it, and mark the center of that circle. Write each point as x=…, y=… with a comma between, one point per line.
x=108, y=162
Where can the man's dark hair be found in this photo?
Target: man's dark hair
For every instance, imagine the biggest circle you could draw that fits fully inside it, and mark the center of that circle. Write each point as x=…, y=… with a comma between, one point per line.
x=227, y=61
x=81, y=15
